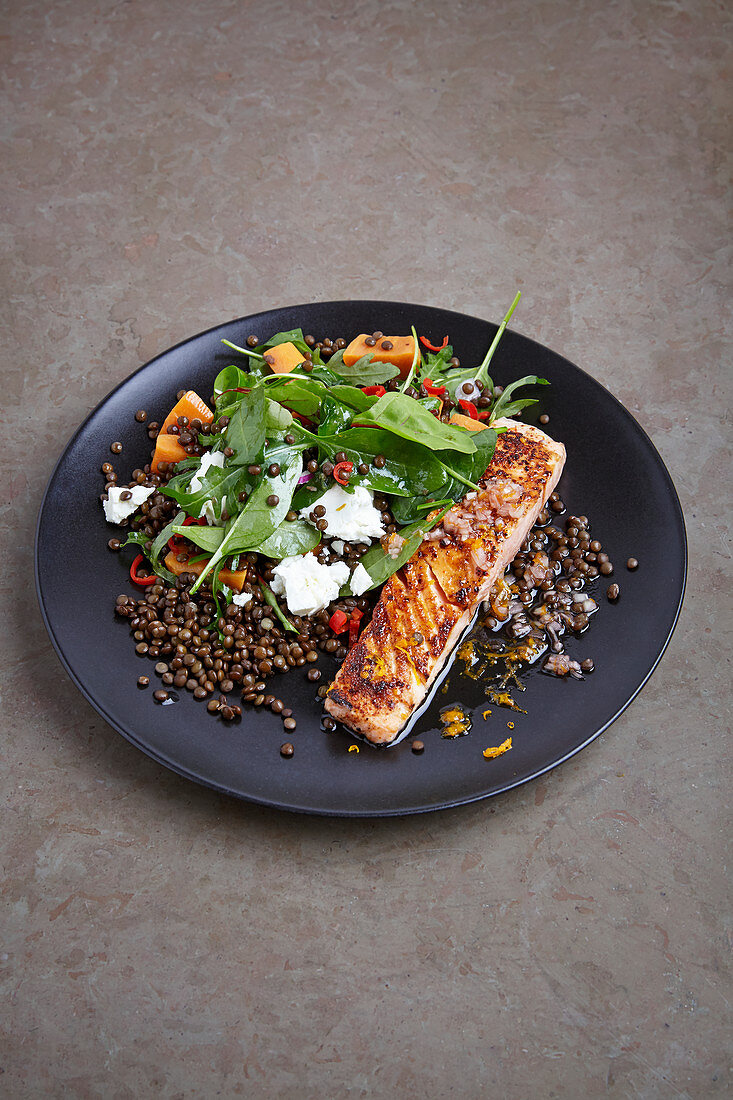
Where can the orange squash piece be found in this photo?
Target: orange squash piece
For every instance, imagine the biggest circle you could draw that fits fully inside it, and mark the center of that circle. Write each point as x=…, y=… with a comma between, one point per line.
x=189, y=405
x=234, y=579
x=283, y=358
x=466, y=422
x=167, y=449
x=400, y=354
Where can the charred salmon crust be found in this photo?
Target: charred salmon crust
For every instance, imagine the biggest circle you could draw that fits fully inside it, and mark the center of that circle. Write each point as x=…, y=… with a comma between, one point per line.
x=425, y=606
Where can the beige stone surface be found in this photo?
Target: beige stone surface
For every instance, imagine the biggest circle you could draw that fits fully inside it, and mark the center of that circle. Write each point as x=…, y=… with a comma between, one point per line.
x=171, y=165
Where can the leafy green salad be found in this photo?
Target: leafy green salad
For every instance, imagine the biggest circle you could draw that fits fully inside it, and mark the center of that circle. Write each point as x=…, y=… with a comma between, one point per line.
x=335, y=431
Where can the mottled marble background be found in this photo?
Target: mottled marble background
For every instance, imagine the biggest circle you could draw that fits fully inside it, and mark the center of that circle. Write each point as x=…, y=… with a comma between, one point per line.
x=171, y=165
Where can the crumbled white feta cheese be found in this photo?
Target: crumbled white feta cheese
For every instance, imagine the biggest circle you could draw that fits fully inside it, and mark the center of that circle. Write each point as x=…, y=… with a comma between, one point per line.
x=337, y=546
x=360, y=581
x=209, y=513
x=350, y=516
x=115, y=510
x=307, y=585
x=208, y=459
x=241, y=599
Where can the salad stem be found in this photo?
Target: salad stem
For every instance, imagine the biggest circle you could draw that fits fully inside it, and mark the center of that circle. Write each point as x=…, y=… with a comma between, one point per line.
x=415, y=358
x=270, y=599
x=459, y=477
x=244, y=351
x=481, y=374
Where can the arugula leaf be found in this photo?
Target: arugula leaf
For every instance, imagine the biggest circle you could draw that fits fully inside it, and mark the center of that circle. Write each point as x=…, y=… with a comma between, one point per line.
x=502, y=404
x=363, y=371
x=408, y=418
x=434, y=364
x=159, y=544
x=219, y=485
x=291, y=537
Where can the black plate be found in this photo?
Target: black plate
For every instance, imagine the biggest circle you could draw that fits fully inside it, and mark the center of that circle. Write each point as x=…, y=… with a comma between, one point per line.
x=613, y=474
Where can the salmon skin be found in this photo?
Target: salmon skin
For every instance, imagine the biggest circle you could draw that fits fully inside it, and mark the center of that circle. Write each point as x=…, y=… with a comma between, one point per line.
x=426, y=605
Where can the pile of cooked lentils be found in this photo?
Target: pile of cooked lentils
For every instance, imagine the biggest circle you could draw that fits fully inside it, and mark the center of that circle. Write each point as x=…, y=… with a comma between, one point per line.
x=230, y=657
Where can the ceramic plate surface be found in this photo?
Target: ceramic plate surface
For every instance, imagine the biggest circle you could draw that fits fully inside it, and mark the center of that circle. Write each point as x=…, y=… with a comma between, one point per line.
x=613, y=475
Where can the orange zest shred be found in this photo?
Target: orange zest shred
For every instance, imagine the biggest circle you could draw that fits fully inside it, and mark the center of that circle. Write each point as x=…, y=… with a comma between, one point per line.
x=497, y=750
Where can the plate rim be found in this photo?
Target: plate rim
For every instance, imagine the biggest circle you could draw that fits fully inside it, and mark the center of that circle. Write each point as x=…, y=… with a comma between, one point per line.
x=311, y=810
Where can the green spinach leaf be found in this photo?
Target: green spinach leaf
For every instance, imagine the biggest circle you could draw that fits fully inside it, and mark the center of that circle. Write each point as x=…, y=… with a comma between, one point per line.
x=245, y=432
x=407, y=418
x=363, y=372
x=258, y=520
x=291, y=537
x=410, y=469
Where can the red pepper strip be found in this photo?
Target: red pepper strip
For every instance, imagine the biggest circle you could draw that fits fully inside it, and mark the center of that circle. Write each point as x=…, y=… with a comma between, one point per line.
x=434, y=391
x=484, y=414
x=338, y=622
x=346, y=467
x=431, y=347
x=135, y=578
x=356, y=617
x=469, y=409
x=175, y=540
x=373, y=391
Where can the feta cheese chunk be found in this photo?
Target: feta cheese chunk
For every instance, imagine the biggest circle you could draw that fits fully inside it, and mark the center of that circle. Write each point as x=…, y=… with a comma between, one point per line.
x=360, y=581
x=115, y=510
x=350, y=516
x=209, y=513
x=307, y=585
x=208, y=459
x=241, y=599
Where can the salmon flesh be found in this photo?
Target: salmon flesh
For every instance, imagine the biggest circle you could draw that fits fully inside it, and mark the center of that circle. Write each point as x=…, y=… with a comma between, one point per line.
x=425, y=606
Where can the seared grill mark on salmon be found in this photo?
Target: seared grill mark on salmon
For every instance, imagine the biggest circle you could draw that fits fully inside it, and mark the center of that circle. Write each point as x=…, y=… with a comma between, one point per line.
x=425, y=606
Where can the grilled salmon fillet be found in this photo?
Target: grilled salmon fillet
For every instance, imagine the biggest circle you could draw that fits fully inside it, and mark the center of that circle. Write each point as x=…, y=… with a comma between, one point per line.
x=426, y=605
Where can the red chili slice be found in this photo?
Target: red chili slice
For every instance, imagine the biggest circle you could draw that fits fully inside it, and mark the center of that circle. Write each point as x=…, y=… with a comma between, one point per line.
x=338, y=622
x=431, y=347
x=356, y=617
x=469, y=409
x=434, y=391
x=134, y=576
x=342, y=467
x=373, y=391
